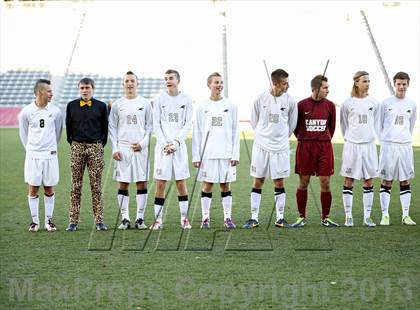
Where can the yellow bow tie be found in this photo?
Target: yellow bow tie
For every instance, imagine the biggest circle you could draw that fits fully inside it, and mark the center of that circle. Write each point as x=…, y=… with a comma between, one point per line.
x=83, y=103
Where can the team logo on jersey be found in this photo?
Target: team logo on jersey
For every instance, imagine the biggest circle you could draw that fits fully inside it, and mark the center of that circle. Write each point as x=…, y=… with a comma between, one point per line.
x=182, y=107
x=264, y=106
x=51, y=115
x=389, y=109
x=371, y=109
x=307, y=112
x=282, y=109
x=226, y=110
x=206, y=111
x=408, y=111
x=140, y=109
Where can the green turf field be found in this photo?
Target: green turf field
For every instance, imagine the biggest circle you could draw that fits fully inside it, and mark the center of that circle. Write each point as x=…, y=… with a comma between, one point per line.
x=308, y=268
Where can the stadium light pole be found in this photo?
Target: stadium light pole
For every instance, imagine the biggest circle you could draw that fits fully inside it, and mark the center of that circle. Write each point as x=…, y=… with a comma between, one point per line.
x=222, y=13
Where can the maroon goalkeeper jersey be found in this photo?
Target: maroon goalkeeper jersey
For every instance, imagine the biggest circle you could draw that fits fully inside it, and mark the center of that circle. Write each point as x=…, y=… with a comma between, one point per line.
x=316, y=120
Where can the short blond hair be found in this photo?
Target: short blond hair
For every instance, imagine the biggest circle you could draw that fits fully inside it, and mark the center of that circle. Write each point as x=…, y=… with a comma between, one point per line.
x=211, y=76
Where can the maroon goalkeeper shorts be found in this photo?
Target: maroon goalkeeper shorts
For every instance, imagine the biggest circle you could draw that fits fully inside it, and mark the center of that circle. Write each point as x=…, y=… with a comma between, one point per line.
x=314, y=158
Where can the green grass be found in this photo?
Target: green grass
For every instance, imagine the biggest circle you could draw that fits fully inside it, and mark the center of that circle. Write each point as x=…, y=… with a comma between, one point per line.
x=313, y=267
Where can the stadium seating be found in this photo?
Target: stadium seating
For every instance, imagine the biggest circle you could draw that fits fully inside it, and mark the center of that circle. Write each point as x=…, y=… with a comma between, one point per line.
x=17, y=90
x=107, y=88
x=17, y=86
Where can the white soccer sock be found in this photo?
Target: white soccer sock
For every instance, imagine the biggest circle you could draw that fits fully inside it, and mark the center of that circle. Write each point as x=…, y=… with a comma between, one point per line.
x=255, y=204
x=227, y=206
x=205, y=207
x=384, y=197
x=348, y=201
x=123, y=202
x=158, y=212
x=280, y=201
x=405, y=199
x=141, y=200
x=34, y=207
x=367, y=201
x=183, y=208
x=49, y=206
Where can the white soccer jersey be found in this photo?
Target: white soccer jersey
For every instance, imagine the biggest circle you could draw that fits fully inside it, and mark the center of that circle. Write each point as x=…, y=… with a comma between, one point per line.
x=398, y=118
x=40, y=130
x=360, y=119
x=130, y=122
x=172, y=118
x=273, y=120
x=216, y=122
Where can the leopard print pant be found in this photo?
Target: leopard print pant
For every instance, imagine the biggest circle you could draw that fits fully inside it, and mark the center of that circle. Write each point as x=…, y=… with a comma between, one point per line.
x=92, y=156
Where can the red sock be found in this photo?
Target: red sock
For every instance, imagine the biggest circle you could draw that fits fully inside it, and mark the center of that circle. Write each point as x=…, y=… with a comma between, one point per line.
x=326, y=199
x=301, y=199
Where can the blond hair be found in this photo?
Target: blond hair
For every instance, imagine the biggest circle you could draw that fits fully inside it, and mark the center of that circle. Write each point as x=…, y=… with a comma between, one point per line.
x=356, y=77
x=214, y=74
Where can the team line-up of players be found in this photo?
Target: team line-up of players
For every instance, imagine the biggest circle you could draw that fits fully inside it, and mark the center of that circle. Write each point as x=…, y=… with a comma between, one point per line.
x=131, y=119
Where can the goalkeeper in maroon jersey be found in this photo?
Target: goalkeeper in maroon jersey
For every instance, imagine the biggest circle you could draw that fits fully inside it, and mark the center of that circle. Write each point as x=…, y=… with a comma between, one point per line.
x=314, y=152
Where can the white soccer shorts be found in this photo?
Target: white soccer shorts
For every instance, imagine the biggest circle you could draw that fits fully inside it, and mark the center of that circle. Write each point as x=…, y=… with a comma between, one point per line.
x=265, y=164
x=359, y=161
x=133, y=166
x=396, y=162
x=172, y=166
x=217, y=171
x=41, y=171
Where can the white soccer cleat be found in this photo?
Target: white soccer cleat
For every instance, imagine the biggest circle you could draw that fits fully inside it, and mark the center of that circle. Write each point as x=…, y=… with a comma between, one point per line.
x=50, y=226
x=140, y=224
x=349, y=222
x=384, y=220
x=185, y=223
x=369, y=222
x=406, y=220
x=125, y=224
x=156, y=225
x=34, y=227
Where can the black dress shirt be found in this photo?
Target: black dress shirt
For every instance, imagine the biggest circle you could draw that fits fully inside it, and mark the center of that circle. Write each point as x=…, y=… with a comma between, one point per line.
x=88, y=123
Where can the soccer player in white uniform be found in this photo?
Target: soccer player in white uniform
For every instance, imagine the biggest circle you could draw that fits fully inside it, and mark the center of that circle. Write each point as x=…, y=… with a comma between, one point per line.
x=360, y=122
x=396, y=155
x=40, y=126
x=273, y=118
x=172, y=120
x=130, y=127
x=215, y=148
